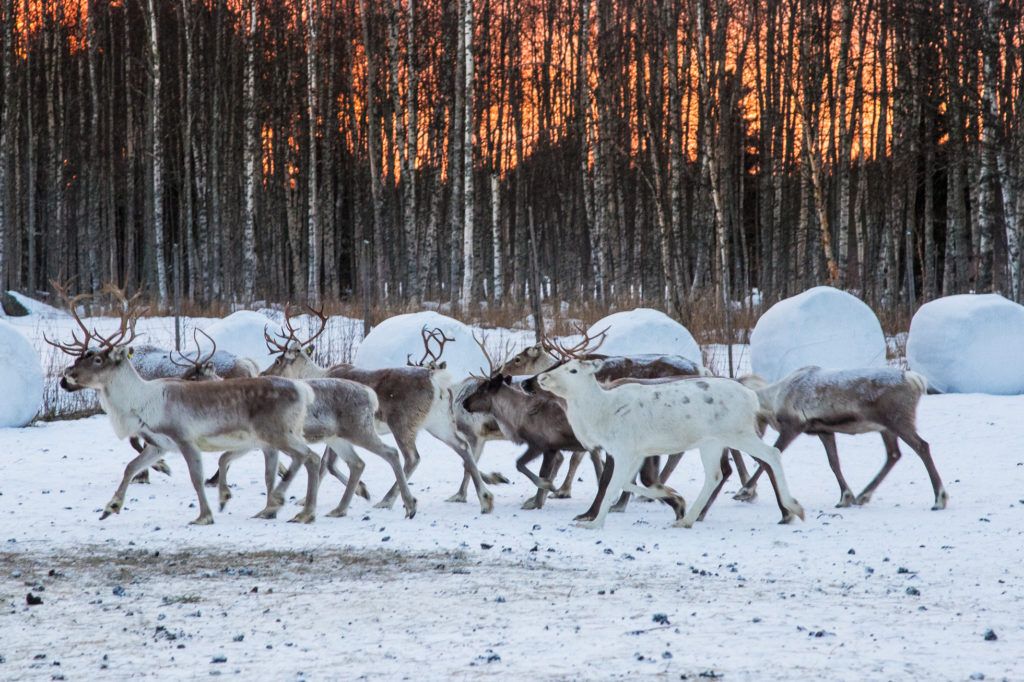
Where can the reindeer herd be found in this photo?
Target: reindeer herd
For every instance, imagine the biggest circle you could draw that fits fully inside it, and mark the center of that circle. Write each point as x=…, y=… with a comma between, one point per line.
x=624, y=412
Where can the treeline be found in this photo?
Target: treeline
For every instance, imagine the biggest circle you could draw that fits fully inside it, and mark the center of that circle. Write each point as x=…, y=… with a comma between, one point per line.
x=656, y=151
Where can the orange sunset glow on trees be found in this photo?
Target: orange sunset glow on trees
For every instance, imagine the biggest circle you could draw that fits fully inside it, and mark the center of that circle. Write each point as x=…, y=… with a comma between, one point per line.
x=650, y=151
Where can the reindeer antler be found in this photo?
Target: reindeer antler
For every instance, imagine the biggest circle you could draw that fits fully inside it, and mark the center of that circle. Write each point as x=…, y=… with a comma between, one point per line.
x=436, y=335
x=584, y=347
x=199, y=361
x=293, y=335
x=129, y=315
x=77, y=346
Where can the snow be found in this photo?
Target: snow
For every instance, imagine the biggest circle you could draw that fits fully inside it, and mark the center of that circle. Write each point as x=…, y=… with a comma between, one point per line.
x=21, y=377
x=822, y=326
x=969, y=343
x=890, y=590
x=241, y=333
x=644, y=330
x=380, y=596
x=392, y=342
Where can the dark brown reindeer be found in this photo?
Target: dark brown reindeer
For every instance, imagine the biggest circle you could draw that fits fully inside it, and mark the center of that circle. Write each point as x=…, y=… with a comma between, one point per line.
x=411, y=399
x=825, y=402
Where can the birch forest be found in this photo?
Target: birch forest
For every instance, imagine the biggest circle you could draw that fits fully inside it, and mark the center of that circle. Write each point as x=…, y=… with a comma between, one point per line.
x=655, y=152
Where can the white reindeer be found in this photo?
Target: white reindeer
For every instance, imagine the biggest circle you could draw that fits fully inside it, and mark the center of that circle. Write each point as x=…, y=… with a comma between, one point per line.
x=635, y=419
x=825, y=402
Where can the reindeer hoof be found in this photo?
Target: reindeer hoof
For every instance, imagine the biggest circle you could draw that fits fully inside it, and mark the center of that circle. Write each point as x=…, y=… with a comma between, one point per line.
x=486, y=503
x=457, y=497
x=337, y=513
x=863, y=498
x=161, y=466
x=746, y=495
x=940, y=501
x=684, y=523
x=202, y=520
x=494, y=478
x=303, y=517
x=362, y=491
x=141, y=477
x=384, y=504
x=561, y=494
x=846, y=500
x=590, y=523
x=617, y=508
x=530, y=503
x=266, y=513
x=410, y=510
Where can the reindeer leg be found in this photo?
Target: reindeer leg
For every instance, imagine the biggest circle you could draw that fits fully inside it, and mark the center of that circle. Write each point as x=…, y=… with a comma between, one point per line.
x=741, y=467
x=602, y=489
x=711, y=458
x=770, y=458
x=341, y=448
x=652, y=487
x=726, y=472
x=141, y=462
x=301, y=454
x=921, y=447
x=649, y=471
x=275, y=496
x=407, y=445
x=194, y=461
x=329, y=463
x=222, y=475
x=748, y=492
x=391, y=456
x=892, y=455
x=565, y=490
x=620, y=476
x=670, y=465
x=552, y=460
x=845, y=494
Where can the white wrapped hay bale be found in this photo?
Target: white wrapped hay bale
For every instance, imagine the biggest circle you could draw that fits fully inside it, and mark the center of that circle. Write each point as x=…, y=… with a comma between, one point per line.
x=241, y=333
x=969, y=343
x=642, y=331
x=397, y=338
x=822, y=326
x=21, y=376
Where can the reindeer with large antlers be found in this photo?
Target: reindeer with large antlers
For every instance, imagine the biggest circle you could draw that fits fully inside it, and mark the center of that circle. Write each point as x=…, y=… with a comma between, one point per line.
x=189, y=416
x=411, y=399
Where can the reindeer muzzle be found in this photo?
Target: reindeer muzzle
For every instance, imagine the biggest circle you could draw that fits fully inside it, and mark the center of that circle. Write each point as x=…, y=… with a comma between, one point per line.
x=69, y=385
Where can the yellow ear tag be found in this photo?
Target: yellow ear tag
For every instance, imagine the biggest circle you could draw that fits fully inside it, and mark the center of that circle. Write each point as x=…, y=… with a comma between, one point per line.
x=309, y=351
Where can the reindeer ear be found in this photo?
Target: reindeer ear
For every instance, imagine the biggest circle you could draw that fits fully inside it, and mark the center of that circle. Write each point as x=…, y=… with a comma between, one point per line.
x=119, y=353
x=442, y=365
x=507, y=379
x=309, y=350
x=533, y=352
x=130, y=351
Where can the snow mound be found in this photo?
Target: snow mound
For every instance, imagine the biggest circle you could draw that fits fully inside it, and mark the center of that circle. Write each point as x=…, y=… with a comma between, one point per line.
x=21, y=376
x=241, y=334
x=34, y=307
x=390, y=343
x=969, y=343
x=822, y=326
x=644, y=331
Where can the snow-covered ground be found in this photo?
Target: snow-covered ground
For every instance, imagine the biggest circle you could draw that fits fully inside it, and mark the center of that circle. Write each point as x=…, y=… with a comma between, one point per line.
x=890, y=590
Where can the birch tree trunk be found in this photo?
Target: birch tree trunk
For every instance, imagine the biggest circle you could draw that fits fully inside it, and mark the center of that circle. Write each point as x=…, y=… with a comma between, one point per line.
x=314, y=226
x=250, y=142
x=468, y=196
x=157, y=160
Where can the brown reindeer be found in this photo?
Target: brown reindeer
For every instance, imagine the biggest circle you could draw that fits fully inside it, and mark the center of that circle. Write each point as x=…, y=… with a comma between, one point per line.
x=825, y=402
x=411, y=399
x=189, y=416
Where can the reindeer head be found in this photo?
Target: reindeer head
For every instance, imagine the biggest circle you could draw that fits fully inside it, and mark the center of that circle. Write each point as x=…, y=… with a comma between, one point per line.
x=480, y=399
x=202, y=368
x=293, y=355
x=561, y=354
x=564, y=379
x=94, y=368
